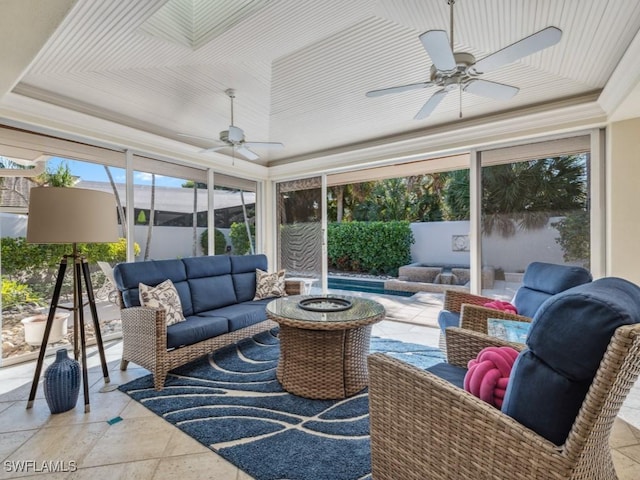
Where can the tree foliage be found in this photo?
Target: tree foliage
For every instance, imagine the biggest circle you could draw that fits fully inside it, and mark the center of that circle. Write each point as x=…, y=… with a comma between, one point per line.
x=515, y=196
x=60, y=177
x=574, y=237
x=240, y=240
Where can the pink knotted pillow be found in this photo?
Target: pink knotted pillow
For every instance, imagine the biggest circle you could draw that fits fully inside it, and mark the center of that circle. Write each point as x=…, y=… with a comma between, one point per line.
x=503, y=306
x=488, y=374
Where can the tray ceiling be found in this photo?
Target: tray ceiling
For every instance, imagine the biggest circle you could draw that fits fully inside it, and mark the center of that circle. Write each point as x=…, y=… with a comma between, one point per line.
x=301, y=68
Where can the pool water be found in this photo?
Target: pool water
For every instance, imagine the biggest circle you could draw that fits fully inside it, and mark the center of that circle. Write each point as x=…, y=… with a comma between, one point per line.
x=363, y=285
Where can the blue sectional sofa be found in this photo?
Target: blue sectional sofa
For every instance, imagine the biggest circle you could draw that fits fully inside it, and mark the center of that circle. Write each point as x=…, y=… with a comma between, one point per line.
x=216, y=293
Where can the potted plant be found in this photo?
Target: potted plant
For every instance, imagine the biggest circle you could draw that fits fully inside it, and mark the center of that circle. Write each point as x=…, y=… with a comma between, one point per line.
x=34, y=328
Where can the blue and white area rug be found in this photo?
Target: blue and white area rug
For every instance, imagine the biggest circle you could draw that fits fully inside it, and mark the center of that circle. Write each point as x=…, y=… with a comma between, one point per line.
x=231, y=402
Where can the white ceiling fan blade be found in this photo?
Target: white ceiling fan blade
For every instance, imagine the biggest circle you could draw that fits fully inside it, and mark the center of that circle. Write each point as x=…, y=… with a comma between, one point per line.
x=522, y=48
x=264, y=144
x=436, y=43
x=246, y=153
x=235, y=134
x=485, y=88
x=430, y=105
x=402, y=88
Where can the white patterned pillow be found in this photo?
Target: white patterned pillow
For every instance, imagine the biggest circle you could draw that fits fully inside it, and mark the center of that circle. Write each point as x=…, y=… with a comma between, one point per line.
x=163, y=296
x=269, y=284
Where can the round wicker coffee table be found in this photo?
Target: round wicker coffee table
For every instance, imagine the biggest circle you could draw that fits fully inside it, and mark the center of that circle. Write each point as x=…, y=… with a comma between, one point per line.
x=323, y=353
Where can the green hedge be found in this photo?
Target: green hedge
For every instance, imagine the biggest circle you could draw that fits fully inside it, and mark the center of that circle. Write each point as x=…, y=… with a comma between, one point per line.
x=219, y=242
x=20, y=259
x=371, y=247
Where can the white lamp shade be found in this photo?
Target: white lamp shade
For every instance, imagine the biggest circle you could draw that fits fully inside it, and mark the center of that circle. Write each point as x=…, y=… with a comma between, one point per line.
x=71, y=215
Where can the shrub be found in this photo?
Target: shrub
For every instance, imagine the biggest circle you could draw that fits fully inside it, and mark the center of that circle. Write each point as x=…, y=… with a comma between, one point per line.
x=23, y=260
x=239, y=239
x=574, y=237
x=372, y=247
x=14, y=294
x=220, y=242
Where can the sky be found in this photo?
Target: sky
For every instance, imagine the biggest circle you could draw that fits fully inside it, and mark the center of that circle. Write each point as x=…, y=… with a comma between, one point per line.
x=94, y=172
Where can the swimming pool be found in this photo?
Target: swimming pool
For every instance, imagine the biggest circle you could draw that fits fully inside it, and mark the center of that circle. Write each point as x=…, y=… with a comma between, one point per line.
x=363, y=285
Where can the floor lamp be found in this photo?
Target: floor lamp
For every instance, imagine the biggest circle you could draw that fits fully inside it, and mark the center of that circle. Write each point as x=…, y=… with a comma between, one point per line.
x=72, y=216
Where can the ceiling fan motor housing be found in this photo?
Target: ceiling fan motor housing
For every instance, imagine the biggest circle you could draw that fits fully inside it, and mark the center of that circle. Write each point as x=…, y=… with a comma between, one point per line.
x=460, y=74
x=231, y=139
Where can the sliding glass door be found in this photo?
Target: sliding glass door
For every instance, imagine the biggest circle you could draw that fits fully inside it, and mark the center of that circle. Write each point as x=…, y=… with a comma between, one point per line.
x=535, y=206
x=300, y=236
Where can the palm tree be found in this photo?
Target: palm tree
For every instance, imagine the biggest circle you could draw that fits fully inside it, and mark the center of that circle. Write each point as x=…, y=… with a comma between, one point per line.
x=195, y=186
x=121, y=216
x=152, y=214
x=521, y=195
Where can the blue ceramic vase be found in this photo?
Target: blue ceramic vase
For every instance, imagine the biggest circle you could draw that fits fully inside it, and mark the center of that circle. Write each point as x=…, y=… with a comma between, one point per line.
x=62, y=383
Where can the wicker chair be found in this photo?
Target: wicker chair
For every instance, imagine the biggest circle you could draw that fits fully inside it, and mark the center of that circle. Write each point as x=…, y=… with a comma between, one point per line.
x=423, y=427
x=541, y=281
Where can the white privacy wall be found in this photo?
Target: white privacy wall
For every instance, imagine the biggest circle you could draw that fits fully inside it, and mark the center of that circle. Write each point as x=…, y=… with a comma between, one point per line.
x=434, y=245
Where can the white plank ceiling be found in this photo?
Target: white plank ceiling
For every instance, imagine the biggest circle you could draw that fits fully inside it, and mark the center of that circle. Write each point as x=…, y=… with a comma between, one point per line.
x=301, y=68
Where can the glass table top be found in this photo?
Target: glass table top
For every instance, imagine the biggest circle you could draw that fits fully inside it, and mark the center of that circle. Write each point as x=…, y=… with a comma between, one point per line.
x=289, y=308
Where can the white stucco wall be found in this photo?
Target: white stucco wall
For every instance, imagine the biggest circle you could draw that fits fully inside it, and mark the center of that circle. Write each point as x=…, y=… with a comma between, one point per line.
x=434, y=245
x=623, y=199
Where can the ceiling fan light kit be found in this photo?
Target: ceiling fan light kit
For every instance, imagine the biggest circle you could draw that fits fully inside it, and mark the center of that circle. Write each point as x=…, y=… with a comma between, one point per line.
x=234, y=137
x=460, y=71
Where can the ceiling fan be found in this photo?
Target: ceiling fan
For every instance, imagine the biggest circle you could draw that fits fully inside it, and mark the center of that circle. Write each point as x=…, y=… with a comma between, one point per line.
x=460, y=70
x=234, y=138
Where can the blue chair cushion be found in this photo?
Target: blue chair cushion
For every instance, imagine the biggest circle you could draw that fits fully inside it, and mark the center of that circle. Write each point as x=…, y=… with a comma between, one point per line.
x=572, y=331
x=451, y=373
x=567, y=340
x=542, y=280
x=195, y=329
x=448, y=319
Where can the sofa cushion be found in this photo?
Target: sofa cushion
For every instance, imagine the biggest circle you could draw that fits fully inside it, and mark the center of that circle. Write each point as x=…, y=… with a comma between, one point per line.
x=240, y=315
x=165, y=296
x=152, y=272
x=207, y=266
x=567, y=340
x=208, y=293
x=269, y=285
x=243, y=272
x=195, y=329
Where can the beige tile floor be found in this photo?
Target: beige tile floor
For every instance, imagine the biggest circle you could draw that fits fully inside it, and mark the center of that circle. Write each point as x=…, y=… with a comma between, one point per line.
x=143, y=446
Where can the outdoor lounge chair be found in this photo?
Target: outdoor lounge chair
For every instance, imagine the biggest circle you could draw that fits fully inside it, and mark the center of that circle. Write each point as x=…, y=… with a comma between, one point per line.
x=108, y=289
x=540, y=282
x=563, y=396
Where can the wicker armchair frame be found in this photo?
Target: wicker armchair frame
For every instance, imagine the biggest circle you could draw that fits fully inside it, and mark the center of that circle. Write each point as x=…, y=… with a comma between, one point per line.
x=144, y=339
x=423, y=427
x=473, y=315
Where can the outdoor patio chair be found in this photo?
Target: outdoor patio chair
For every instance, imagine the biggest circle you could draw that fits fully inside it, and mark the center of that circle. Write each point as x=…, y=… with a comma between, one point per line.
x=563, y=395
x=108, y=289
x=540, y=282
